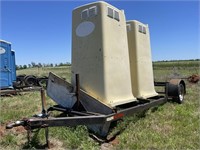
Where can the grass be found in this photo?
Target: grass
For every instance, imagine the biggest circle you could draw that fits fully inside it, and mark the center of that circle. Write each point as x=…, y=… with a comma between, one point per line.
x=63, y=71
x=170, y=126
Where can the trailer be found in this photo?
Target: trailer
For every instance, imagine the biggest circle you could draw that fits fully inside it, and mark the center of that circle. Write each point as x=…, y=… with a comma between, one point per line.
x=98, y=123
x=112, y=75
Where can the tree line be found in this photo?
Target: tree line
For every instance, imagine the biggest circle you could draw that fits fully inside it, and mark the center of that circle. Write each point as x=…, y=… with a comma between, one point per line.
x=39, y=65
x=177, y=60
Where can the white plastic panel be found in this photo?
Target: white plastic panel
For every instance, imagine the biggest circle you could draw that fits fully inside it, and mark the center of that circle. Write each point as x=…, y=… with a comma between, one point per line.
x=101, y=58
x=140, y=60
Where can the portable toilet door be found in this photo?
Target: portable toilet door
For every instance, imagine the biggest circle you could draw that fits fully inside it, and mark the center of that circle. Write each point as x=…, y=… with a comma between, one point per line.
x=13, y=65
x=5, y=76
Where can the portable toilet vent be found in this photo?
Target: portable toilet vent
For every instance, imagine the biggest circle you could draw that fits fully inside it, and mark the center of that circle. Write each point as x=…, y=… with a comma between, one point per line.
x=8, y=70
x=100, y=53
x=140, y=59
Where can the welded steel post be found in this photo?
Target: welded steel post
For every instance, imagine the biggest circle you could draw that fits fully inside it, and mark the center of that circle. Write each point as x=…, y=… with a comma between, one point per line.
x=78, y=89
x=43, y=101
x=44, y=113
x=47, y=137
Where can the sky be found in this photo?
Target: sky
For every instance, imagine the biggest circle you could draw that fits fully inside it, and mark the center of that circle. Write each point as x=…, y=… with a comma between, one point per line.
x=40, y=31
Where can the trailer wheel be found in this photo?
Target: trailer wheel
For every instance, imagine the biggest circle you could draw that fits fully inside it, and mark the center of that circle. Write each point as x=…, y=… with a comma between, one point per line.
x=31, y=80
x=181, y=94
x=177, y=90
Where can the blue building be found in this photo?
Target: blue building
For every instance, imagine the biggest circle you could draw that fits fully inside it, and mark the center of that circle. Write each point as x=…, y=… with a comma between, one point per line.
x=8, y=67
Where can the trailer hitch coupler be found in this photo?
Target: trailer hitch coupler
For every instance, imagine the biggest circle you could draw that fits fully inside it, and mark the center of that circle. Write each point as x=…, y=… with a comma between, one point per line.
x=15, y=124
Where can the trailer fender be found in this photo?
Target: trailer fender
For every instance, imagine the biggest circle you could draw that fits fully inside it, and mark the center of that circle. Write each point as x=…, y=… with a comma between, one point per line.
x=177, y=90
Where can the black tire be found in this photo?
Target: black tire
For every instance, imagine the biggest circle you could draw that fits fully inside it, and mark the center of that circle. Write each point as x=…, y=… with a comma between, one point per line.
x=176, y=90
x=31, y=80
x=43, y=82
x=181, y=94
x=19, y=81
x=18, y=84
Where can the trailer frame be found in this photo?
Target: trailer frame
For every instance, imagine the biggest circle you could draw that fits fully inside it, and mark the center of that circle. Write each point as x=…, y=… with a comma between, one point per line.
x=76, y=117
x=5, y=92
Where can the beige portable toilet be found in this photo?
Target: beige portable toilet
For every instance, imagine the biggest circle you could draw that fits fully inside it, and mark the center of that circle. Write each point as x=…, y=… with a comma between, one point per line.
x=100, y=53
x=140, y=59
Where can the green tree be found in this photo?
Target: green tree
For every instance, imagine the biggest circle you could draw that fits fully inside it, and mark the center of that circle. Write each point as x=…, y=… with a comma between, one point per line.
x=24, y=67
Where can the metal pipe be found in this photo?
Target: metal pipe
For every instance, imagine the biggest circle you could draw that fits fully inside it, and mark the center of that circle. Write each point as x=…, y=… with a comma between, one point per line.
x=78, y=90
x=68, y=111
x=43, y=100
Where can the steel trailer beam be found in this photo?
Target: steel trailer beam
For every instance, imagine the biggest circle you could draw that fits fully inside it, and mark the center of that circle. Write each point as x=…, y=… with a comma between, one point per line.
x=87, y=119
x=65, y=121
x=16, y=91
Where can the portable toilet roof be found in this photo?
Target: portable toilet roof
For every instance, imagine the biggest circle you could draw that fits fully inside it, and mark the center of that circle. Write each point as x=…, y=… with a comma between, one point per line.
x=5, y=41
